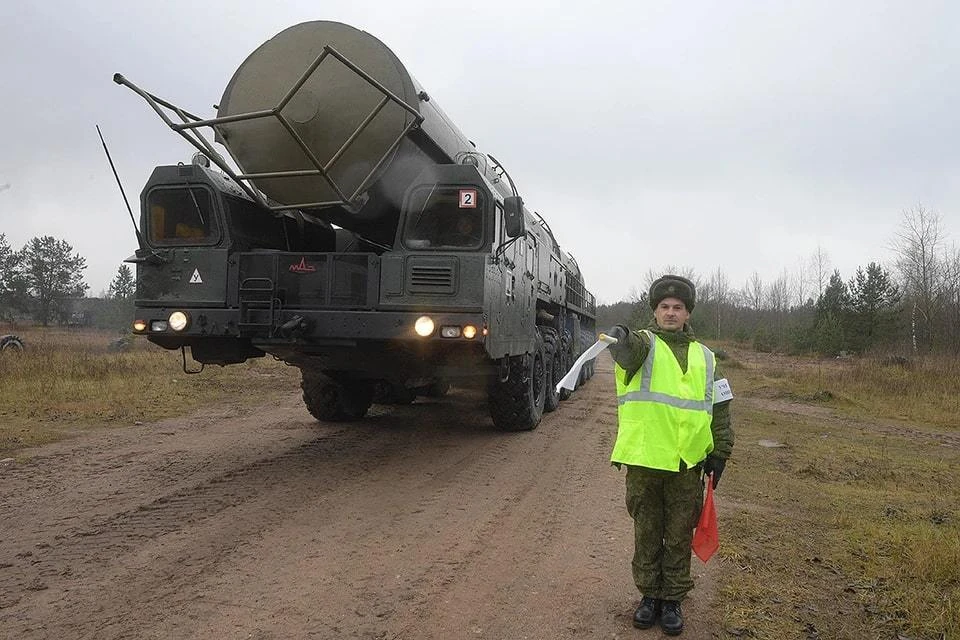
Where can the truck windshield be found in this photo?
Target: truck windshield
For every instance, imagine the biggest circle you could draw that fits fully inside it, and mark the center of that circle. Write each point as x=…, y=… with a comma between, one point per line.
x=444, y=217
x=181, y=216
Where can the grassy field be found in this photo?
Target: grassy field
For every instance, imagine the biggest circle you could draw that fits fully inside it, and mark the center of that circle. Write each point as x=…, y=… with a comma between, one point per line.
x=844, y=522
x=65, y=381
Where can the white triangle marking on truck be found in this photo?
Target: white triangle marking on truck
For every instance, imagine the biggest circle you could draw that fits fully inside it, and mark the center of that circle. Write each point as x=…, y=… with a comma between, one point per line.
x=195, y=278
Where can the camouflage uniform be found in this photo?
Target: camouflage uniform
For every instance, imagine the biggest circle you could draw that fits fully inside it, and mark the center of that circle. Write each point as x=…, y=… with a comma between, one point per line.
x=665, y=505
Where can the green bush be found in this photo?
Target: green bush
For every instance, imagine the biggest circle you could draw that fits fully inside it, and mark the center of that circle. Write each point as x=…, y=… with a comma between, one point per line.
x=829, y=339
x=764, y=341
x=741, y=335
x=801, y=340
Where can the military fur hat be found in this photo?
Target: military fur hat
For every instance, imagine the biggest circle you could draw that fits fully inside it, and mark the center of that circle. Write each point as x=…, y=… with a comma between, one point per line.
x=671, y=286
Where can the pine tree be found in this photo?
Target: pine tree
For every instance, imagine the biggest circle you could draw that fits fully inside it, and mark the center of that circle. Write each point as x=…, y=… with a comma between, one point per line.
x=52, y=273
x=123, y=285
x=833, y=312
x=12, y=288
x=835, y=299
x=874, y=299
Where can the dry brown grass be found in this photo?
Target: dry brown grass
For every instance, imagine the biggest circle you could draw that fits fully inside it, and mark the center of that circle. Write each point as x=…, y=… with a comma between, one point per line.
x=923, y=390
x=68, y=380
x=852, y=529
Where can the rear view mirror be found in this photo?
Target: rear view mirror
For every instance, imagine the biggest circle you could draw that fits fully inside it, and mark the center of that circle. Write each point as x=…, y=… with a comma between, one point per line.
x=513, y=216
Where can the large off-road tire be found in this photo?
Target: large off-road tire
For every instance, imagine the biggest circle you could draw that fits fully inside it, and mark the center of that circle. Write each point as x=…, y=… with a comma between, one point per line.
x=568, y=360
x=437, y=389
x=554, y=361
x=329, y=400
x=516, y=404
x=404, y=395
x=11, y=344
x=393, y=393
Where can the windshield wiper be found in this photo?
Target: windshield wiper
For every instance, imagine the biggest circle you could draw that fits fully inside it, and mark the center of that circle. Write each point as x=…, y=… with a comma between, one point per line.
x=196, y=204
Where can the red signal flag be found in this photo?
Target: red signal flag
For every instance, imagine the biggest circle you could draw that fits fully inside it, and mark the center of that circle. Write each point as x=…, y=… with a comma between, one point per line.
x=706, y=539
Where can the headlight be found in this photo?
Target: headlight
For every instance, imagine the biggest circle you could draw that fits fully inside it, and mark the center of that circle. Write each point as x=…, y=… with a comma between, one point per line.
x=178, y=320
x=158, y=325
x=423, y=326
x=450, y=331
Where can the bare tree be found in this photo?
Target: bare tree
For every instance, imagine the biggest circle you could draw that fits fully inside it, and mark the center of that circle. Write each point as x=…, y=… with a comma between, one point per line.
x=720, y=286
x=916, y=244
x=778, y=300
x=778, y=293
x=798, y=284
x=820, y=270
x=752, y=292
x=686, y=272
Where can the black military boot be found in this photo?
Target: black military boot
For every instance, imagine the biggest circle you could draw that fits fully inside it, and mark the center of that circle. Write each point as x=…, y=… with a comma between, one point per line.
x=671, y=618
x=646, y=613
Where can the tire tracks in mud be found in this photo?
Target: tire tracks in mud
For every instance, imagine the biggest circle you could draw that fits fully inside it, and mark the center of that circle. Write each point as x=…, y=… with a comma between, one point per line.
x=58, y=557
x=871, y=425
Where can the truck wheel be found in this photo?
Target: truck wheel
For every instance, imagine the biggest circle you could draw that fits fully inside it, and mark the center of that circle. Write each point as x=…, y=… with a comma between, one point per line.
x=393, y=393
x=403, y=395
x=328, y=400
x=568, y=360
x=555, y=370
x=436, y=389
x=11, y=344
x=517, y=403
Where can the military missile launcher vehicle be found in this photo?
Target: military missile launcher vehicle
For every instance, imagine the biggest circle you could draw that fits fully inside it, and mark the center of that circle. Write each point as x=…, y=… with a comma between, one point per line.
x=354, y=232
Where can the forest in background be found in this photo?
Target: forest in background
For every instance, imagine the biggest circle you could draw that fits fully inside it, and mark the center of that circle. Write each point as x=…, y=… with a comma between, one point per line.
x=909, y=307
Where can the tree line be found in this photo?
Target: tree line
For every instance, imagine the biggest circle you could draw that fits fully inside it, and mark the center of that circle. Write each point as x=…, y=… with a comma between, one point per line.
x=911, y=306
x=44, y=278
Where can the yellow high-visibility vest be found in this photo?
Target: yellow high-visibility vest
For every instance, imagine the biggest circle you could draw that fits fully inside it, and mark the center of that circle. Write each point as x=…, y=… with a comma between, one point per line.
x=664, y=413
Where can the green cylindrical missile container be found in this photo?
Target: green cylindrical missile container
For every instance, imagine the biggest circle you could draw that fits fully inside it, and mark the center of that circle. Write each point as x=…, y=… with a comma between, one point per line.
x=336, y=105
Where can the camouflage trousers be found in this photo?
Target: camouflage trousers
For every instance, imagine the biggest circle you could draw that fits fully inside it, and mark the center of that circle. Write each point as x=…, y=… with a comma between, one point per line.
x=665, y=507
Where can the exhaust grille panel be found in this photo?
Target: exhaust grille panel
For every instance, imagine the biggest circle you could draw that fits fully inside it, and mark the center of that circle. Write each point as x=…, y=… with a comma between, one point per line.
x=433, y=277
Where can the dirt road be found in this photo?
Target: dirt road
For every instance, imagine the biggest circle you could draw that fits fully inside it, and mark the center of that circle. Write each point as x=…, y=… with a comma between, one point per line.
x=419, y=522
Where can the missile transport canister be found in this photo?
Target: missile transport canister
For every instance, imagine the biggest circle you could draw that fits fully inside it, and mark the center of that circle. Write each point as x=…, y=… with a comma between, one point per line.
x=326, y=110
x=364, y=239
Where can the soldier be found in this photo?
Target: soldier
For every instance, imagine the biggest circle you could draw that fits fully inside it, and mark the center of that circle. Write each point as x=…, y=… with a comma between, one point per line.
x=463, y=233
x=674, y=428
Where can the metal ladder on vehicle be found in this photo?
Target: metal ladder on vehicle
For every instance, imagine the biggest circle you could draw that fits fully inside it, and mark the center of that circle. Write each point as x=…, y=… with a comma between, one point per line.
x=257, y=294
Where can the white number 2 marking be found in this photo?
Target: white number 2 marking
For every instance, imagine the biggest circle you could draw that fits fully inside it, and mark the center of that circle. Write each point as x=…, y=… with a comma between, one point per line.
x=468, y=198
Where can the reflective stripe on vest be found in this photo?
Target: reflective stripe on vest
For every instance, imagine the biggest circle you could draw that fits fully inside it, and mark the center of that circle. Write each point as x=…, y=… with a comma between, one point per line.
x=664, y=413
x=646, y=374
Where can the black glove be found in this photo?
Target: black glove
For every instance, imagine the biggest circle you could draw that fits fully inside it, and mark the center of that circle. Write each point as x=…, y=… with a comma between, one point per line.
x=617, y=331
x=620, y=350
x=714, y=465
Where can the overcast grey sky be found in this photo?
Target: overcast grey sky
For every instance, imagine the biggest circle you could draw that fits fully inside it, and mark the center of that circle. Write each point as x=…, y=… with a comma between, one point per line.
x=740, y=135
